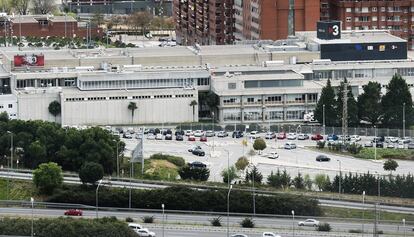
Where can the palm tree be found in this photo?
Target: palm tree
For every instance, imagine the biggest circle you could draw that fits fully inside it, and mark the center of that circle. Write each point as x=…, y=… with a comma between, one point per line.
x=54, y=108
x=132, y=106
x=193, y=104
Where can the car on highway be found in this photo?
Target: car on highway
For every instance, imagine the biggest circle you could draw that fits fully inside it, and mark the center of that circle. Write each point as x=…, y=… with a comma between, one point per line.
x=210, y=133
x=270, y=135
x=309, y=222
x=281, y=135
x=135, y=227
x=203, y=139
x=73, y=212
x=198, y=133
x=273, y=155
x=237, y=134
x=198, y=152
x=179, y=137
x=291, y=136
x=145, y=233
x=193, y=148
x=197, y=164
x=321, y=158
x=317, y=137
x=254, y=134
x=290, y=146
x=303, y=136
x=270, y=234
x=188, y=132
x=158, y=136
x=332, y=137
x=168, y=136
x=191, y=138
x=239, y=235
x=222, y=134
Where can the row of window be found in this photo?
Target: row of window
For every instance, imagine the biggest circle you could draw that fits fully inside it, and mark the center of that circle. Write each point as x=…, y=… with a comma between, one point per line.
x=62, y=82
x=10, y=106
x=150, y=83
x=375, y=9
x=362, y=73
x=258, y=116
x=125, y=97
x=275, y=99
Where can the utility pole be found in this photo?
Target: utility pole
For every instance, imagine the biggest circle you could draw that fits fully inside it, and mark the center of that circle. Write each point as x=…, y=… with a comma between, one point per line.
x=345, y=112
x=376, y=222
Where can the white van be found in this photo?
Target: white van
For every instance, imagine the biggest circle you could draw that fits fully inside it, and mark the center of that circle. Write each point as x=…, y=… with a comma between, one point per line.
x=135, y=227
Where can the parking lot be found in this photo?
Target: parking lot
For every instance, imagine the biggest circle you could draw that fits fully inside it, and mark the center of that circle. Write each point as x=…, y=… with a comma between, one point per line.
x=301, y=159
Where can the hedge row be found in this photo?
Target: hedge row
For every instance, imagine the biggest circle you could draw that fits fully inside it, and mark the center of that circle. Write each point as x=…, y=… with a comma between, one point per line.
x=65, y=227
x=182, y=198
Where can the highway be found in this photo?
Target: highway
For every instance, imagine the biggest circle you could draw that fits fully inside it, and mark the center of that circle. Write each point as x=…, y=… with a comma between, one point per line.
x=191, y=222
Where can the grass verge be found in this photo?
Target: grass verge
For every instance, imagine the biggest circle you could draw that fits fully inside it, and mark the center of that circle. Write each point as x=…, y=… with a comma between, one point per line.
x=336, y=212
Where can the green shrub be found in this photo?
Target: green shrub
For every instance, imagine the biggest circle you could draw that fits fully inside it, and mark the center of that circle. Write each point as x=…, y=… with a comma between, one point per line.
x=129, y=219
x=324, y=227
x=355, y=231
x=320, y=144
x=176, y=160
x=148, y=219
x=247, y=223
x=199, y=174
x=216, y=221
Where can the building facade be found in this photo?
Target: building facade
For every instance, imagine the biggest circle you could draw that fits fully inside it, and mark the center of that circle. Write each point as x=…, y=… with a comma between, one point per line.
x=397, y=16
x=273, y=20
x=204, y=22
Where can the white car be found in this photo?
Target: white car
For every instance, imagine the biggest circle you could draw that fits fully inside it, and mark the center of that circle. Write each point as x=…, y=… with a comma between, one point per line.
x=291, y=136
x=150, y=136
x=290, y=145
x=390, y=145
x=188, y=132
x=145, y=233
x=198, y=133
x=239, y=235
x=135, y=227
x=270, y=234
x=158, y=136
x=254, y=134
x=222, y=134
x=273, y=155
x=355, y=138
x=270, y=135
x=309, y=222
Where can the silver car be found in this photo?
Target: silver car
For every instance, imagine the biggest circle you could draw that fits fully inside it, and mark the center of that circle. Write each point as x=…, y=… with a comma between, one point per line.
x=309, y=222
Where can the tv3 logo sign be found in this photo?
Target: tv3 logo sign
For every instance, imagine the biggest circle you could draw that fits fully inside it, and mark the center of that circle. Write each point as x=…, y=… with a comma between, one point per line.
x=334, y=30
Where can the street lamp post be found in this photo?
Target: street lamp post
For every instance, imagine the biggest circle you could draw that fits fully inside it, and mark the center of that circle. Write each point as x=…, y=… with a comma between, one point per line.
x=293, y=222
x=97, y=190
x=32, y=202
x=11, y=149
x=214, y=132
x=323, y=118
x=363, y=211
x=228, y=210
x=403, y=220
x=340, y=176
x=228, y=168
x=403, y=119
x=375, y=141
x=163, y=224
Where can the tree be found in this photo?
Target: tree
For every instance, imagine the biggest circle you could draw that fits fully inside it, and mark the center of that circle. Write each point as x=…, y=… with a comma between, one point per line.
x=5, y=6
x=212, y=100
x=35, y=155
x=390, y=165
x=4, y=117
x=242, y=163
x=327, y=100
x=393, y=101
x=229, y=173
x=254, y=172
x=91, y=172
x=298, y=182
x=21, y=6
x=54, y=108
x=286, y=180
x=275, y=180
x=43, y=6
x=193, y=104
x=48, y=177
x=351, y=104
x=308, y=182
x=140, y=20
x=200, y=174
x=132, y=106
x=259, y=144
x=320, y=181
x=97, y=19
x=369, y=103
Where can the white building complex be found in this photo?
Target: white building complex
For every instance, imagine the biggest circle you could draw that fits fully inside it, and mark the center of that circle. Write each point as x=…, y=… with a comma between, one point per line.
x=256, y=83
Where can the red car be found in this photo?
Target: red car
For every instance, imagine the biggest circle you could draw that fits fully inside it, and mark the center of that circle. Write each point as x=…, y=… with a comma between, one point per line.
x=73, y=212
x=191, y=139
x=203, y=139
x=317, y=137
x=281, y=135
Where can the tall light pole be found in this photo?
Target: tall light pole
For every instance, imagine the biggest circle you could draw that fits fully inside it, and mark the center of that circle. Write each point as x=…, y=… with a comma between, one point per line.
x=323, y=119
x=403, y=119
x=228, y=210
x=403, y=220
x=363, y=212
x=293, y=222
x=163, y=224
x=131, y=171
x=97, y=190
x=340, y=176
x=32, y=202
x=375, y=141
x=214, y=132
x=11, y=149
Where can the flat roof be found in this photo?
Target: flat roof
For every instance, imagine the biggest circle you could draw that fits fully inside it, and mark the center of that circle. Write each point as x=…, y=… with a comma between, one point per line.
x=360, y=37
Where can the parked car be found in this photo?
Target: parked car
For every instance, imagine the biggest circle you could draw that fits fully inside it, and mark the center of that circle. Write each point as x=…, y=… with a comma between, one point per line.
x=198, y=133
x=393, y=139
x=197, y=164
x=254, y=134
x=303, y=136
x=188, y=132
x=166, y=131
x=281, y=135
x=179, y=137
x=390, y=145
x=355, y=138
x=203, y=139
x=210, y=133
x=168, y=136
x=150, y=136
x=158, y=136
x=73, y=212
x=317, y=137
x=332, y=137
x=127, y=135
x=198, y=152
x=291, y=136
x=368, y=144
x=237, y=134
x=273, y=155
x=309, y=222
x=379, y=145
x=145, y=233
x=179, y=132
x=193, y=148
x=290, y=145
x=410, y=146
x=135, y=227
x=239, y=235
x=270, y=135
x=222, y=134
x=322, y=158
x=191, y=138
x=270, y=234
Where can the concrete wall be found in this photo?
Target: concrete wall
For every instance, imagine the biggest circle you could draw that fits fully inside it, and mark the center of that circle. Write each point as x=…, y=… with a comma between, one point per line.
x=35, y=106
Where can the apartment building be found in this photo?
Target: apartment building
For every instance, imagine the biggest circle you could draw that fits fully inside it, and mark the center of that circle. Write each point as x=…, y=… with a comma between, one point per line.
x=273, y=20
x=397, y=16
x=205, y=22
